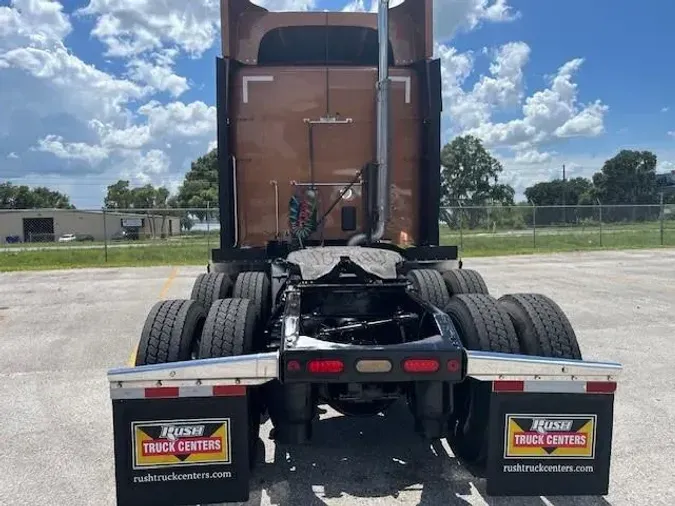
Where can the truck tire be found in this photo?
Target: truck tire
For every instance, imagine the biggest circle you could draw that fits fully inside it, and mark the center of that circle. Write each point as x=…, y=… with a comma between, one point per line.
x=171, y=332
x=482, y=325
x=543, y=328
x=229, y=331
x=459, y=281
x=255, y=286
x=210, y=287
x=430, y=286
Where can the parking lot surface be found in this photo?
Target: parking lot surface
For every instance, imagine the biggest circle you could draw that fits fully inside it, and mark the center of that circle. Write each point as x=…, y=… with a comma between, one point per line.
x=60, y=331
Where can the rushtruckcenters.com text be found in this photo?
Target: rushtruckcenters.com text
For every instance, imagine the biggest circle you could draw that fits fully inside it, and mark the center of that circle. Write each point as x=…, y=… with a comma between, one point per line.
x=151, y=478
x=547, y=468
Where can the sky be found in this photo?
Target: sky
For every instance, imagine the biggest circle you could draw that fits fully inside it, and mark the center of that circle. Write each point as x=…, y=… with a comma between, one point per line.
x=92, y=91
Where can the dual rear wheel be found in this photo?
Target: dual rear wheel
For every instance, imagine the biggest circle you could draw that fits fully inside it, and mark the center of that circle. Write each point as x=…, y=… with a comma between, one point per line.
x=523, y=323
x=221, y=319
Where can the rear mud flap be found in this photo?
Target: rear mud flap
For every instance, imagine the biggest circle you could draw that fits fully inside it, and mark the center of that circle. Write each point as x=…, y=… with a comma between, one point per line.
x=547, y=444
x=182, y=450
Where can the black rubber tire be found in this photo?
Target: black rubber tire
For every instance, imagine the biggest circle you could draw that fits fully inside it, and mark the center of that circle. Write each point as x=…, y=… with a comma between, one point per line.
x=459, y=281
x=255, y=286
x=171, y=332
x=209, y=287
x=229, y=331
x=482, y=323
x=542, y=327
x=429, y=284
x=485, y=326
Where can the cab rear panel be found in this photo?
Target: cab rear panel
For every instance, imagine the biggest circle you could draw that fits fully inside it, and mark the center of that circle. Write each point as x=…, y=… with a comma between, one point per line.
x=283, y=147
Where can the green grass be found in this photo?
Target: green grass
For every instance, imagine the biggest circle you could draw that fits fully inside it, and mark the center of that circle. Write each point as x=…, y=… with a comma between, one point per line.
x=556, y=240
x=63, y=258
x=474, y=243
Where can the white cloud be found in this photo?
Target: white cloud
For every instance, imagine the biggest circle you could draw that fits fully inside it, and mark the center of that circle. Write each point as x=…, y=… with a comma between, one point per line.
x=672, y=133
x=665, y=166
x=179, y=120
x=158, y=75
x=355, y=6
x=81, y=88
x=32, y=21
x=55, y=144
x=532, y=156
x=131, y=27
x=79, y=119
x=550, y=114
x=286, y=5
x=453, y=16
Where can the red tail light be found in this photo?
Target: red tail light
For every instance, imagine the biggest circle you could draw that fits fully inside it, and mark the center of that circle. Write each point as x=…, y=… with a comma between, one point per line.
x=325, y=366
x=421, y=365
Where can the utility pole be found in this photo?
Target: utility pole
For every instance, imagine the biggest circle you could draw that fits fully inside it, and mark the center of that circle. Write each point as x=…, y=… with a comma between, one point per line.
x=564, y=192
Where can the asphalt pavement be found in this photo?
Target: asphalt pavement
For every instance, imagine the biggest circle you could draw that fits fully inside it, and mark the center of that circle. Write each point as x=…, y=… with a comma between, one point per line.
x=60, y=331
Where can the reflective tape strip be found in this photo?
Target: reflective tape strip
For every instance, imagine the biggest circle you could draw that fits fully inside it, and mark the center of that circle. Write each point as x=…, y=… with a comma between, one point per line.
x=249, y=79
x=406, y=81
x=568, y=387
x=553, y=386
x=176, y=392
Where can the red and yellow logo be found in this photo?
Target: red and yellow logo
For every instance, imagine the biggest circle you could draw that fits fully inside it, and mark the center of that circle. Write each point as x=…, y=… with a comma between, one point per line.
x=180, y=443
x=550, y=436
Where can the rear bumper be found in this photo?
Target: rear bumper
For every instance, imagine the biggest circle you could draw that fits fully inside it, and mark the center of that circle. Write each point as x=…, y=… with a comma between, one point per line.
x=539, y=373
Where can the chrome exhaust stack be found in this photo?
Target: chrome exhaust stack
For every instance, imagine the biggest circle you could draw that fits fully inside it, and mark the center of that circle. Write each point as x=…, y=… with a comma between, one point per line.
x=383, y=119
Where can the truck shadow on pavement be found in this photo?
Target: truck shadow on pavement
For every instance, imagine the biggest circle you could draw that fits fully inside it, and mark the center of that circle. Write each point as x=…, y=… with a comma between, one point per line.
x=376, y=457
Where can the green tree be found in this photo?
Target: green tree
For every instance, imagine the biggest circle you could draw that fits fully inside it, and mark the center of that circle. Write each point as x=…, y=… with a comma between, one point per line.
x=118, y=196
x=572, y=192
x=550, y=193
x=200, y=186
x=24, y=197
x=154, y=201
x=470, y=177
x=628, y=178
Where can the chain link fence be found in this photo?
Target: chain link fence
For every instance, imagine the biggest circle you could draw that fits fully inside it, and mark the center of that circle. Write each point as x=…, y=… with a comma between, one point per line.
x=187, y=236
x=523, y=228
x=121, y=236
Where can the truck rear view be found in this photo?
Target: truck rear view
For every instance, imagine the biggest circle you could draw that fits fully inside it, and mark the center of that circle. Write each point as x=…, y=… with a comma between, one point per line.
x=330, y=287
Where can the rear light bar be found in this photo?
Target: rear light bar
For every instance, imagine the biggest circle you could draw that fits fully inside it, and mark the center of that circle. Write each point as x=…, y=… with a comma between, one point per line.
x=426, y=365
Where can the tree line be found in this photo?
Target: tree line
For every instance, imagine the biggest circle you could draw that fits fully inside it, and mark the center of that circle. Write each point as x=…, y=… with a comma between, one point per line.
x=616, y=192
x=470, y=177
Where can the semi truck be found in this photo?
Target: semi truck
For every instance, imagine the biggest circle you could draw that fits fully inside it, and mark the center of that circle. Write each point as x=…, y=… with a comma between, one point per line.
x=330, y=286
